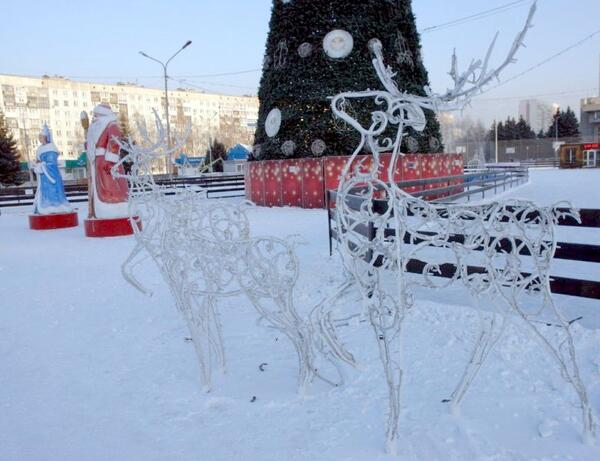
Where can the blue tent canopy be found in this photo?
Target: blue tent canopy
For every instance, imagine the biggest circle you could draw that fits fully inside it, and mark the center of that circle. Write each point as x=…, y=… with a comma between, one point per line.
x=238, y=152
x=191, y=161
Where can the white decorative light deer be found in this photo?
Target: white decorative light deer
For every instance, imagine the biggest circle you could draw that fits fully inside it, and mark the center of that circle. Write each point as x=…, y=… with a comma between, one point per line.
x=205, y=252
x=503, y=239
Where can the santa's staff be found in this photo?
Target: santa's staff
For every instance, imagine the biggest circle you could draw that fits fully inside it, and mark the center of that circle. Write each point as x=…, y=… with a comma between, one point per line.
x=85, y=123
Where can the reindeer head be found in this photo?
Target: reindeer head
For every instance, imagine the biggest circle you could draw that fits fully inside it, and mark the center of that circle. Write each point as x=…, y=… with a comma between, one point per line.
x=142, y=156
x=401, y=109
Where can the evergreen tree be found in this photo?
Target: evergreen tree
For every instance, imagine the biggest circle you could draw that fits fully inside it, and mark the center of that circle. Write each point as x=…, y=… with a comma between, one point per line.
x=524, y=130
x=9, y=156
x=510, y=130
x=541, y=134
x=501, y=132
x=124, y=125
x=126, y=130
x=300, y=73
x=216, y=150
x=564, y=125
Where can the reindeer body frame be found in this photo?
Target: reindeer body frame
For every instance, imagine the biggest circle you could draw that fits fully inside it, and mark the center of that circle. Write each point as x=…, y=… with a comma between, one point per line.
x=205, y=253
x=500, y=236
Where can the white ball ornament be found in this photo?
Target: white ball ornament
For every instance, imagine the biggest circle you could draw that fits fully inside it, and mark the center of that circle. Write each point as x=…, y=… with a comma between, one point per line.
x=288, y=148
x=267, y=61
x=318, y=147
x=412, y=145
x=273, y=123
x=338, y=44
x=305, y=50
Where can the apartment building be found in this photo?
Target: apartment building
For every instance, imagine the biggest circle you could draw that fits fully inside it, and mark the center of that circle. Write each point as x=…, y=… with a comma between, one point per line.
x=590, y=119
x=29, y=102
x=536, y=113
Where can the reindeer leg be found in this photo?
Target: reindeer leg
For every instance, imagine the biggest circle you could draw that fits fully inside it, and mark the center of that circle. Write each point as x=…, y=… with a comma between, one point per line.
x=324, y=333
x=316, y=338
x=197, y=326
x=386, y=321
x=217, y=338
x=300, y=336
x=491, y=329
x=128, y=266
x=393, y=375
x=307, y=369
x=565, y=357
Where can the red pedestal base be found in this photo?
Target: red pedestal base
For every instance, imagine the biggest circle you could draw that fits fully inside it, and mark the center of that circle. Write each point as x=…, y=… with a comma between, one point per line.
x=53, y=221
x=100, y=228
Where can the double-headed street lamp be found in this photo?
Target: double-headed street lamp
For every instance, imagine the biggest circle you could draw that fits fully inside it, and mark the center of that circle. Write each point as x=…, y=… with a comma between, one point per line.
x=164, y=66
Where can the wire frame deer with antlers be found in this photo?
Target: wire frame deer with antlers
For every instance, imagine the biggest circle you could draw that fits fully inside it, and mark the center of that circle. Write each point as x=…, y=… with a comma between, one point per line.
x=511, y=243
x=205, y=253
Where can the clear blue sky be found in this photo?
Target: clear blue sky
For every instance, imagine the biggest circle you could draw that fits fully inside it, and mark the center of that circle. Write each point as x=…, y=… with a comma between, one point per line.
x=99, y=41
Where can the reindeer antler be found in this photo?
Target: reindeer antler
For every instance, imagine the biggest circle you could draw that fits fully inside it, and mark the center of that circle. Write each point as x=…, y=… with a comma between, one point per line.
x=477, y=74
x=150, y=149
x=466, y=84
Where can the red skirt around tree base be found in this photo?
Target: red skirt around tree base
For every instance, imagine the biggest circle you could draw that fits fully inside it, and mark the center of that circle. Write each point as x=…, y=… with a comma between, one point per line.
x=100, y=228
x=53, y=221
x=302, y=182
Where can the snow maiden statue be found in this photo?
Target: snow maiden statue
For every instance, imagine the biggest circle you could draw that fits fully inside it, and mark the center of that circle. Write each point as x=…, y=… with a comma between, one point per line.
x=50, y=196
x=51, y=209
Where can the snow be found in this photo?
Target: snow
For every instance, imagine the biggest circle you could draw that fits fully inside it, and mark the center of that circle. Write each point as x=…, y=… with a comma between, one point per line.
x=92, y=370
x=549, y=186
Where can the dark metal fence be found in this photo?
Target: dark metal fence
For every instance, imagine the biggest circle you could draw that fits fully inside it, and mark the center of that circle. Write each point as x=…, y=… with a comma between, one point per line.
x=216, y=187
x=590, y=218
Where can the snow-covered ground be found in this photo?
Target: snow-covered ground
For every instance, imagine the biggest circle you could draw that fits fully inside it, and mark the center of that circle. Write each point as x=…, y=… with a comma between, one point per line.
x=92, y=370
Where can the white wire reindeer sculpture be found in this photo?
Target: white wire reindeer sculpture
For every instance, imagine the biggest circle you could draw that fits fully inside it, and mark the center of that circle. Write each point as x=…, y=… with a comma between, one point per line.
x=501, y=250
x=205, y=253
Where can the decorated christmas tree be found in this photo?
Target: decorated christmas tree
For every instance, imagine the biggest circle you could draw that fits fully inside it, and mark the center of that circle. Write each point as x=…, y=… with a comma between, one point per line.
x=317, y=49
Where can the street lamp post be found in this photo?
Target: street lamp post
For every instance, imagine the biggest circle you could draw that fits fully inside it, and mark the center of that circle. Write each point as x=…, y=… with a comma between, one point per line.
x=496, y=138
x=556, y=108
x=210, y=140
x=166, y=76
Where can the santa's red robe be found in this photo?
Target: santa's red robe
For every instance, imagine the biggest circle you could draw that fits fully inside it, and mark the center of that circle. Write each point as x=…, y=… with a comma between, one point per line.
x=109, y=189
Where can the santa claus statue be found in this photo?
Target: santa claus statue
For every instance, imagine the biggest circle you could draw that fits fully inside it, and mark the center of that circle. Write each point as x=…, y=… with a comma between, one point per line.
x=109, y=195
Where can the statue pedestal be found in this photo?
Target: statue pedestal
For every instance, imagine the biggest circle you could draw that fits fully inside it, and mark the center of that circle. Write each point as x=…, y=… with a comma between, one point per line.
x=53, y=221
x=100, y=228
